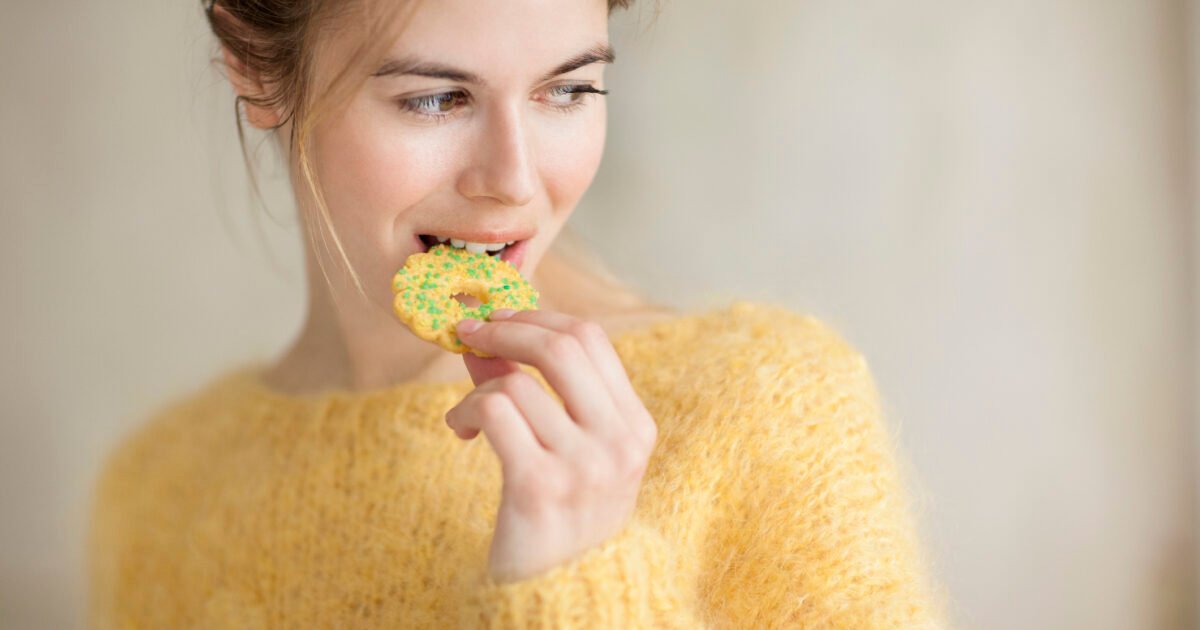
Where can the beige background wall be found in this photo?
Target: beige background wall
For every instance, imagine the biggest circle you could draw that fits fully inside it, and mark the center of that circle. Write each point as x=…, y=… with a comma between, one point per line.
x=1194, y=173
x=991, y=200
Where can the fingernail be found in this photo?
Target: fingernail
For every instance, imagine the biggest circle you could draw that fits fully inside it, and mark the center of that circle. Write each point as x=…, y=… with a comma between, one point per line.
x=503, y=313
x=468, y=326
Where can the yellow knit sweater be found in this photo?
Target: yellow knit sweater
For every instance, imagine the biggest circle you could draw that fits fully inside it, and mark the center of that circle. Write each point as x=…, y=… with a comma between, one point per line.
x=772, y=500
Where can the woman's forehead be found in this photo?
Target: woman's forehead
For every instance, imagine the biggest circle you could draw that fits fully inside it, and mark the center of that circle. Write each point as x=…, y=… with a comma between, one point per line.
x=492, y=38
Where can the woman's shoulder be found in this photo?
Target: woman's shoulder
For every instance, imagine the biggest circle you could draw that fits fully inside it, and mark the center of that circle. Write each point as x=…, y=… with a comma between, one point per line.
x=753, y=354
x=146, y=479
x=741, y=334
x=172, y=431
x=749, y=381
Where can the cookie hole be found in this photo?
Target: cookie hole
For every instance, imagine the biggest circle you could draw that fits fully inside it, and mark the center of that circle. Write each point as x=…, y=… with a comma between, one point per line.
x=467, y=300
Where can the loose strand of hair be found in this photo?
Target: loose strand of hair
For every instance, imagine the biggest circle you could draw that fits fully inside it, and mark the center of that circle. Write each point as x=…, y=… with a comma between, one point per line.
x=313, y=182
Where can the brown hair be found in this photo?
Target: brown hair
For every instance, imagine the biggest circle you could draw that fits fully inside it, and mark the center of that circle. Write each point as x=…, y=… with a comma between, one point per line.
x=276, y=42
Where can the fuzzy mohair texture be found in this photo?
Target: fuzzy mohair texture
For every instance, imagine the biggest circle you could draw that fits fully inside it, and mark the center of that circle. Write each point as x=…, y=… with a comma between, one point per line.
x=774, y=498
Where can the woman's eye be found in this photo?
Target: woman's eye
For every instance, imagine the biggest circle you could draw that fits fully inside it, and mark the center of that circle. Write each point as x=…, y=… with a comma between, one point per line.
x=434, y=105
x=442, y=106
x=575, y=95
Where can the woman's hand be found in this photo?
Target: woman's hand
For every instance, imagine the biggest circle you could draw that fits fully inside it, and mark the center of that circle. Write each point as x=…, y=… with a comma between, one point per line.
x=571, y=476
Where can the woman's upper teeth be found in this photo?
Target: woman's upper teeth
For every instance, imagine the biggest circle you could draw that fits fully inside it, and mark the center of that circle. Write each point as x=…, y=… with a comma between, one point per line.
x=474, y=248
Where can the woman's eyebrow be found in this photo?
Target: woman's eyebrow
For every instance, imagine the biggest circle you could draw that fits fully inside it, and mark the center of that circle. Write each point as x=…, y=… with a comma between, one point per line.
x=600, y=53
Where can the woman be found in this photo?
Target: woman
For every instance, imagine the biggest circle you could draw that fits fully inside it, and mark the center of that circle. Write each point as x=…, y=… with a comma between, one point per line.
x=641, y=468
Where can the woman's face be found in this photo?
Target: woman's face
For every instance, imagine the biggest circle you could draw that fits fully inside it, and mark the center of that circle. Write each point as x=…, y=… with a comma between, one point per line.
x=479, y=127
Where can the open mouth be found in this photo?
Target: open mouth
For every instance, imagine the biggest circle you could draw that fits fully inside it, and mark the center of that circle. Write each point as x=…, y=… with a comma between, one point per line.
x=491, y=249
x=512, y=252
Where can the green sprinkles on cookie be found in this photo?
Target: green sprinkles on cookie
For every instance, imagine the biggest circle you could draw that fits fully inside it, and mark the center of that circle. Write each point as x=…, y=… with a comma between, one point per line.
x=424, y=288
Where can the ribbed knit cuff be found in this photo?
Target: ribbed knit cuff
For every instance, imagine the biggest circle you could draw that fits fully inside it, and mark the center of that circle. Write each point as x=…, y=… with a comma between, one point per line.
x=627, y=582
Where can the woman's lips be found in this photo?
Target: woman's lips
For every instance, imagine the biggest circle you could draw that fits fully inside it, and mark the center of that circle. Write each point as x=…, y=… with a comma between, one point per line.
x=515, y=254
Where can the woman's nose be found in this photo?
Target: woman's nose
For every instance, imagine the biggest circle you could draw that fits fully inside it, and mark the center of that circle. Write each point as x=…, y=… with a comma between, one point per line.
x=501, y=165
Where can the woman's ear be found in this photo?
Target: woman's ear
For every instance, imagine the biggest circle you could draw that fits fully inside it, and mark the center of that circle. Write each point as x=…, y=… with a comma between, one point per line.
x=246, y=82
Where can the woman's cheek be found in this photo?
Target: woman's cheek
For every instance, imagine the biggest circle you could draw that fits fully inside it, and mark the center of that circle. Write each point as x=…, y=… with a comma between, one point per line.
x=373, y=172
x=573, y=162
x=390, y=167
x=401, y=172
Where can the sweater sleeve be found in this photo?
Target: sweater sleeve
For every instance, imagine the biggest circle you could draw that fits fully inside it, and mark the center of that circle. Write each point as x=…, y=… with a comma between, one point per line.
x=820, y=535
x=627, y=582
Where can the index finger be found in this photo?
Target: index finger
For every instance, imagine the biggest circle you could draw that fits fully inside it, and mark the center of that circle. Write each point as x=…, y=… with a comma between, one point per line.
x=595, y=343
x=561, y=360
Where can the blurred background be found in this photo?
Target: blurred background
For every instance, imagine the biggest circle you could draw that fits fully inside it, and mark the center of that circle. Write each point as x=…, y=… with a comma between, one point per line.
x=995, y=202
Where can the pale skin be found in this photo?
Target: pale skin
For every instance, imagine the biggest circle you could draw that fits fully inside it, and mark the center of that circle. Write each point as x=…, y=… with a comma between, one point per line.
x=508, y=154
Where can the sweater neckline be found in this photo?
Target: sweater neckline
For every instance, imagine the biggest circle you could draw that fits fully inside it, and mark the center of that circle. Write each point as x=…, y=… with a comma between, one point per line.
x=250, y=377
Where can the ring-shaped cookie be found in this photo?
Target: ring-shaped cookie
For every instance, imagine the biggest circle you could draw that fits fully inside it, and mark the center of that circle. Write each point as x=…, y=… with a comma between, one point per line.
x=425, y=287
